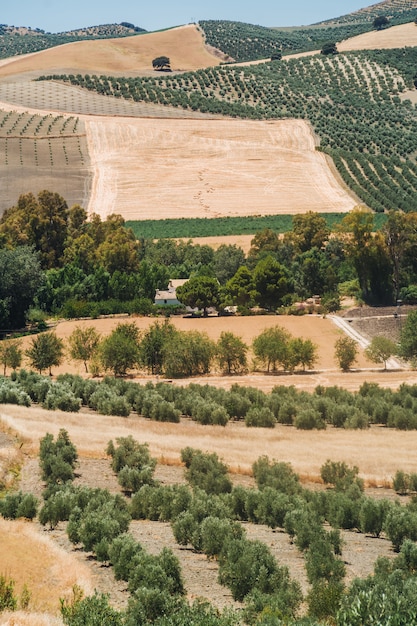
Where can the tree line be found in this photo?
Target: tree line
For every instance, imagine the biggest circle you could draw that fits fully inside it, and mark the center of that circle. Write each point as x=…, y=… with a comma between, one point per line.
x=55, y=261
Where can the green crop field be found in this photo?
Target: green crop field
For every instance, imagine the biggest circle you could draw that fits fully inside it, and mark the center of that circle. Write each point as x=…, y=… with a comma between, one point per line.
x=218, y=227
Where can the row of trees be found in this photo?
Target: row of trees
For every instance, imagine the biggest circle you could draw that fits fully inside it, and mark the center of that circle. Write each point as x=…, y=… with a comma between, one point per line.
x=207, y=515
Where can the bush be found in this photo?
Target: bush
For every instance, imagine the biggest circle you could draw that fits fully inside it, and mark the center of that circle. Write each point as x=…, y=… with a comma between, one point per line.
x=11, y=393
x=61, y=397
x=260, y=417
x=308, y=419
x=132, y=463
x=279, y=476
x=340, y=475
x=57, y=458
x=16, y=505
x=206, y=471
x=372, y=516
x=94, y=610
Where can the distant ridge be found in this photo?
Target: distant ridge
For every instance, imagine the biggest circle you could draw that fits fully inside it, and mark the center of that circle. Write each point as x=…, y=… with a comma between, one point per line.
x=396, y=10
x=17, y=40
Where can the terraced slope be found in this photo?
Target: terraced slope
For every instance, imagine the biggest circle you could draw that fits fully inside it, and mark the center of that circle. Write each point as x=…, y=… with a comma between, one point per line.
x=131, y=55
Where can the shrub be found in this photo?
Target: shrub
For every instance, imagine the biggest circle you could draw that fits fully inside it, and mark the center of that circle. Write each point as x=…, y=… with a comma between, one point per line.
x=308, y=419
x=260, y=417
x=57, y=458
x=206, y=471
x=340, y=475
x=61, y=397
x=279, y=476
x=372, y=516
x=16, y=505
x=94, y=610
x=11, y=393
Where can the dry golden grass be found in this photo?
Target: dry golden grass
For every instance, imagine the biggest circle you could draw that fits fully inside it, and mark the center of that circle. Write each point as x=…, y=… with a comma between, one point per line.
x=394, y=37
x=242, y=241
x=156, y=169
x=378, y=452
x=128, y=56
x=31, y=558
x=22, y=618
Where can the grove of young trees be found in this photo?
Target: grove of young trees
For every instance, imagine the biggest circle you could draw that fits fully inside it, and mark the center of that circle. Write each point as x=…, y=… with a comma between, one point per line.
x=207, y=513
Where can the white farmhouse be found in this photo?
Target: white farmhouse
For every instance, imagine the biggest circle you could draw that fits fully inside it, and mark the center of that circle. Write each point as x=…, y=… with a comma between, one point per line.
x=169, y=295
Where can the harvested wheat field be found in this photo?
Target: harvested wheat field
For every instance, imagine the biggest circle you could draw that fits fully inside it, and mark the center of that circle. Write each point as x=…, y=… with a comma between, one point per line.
x=132, y=56
x=393, y=37
x=215, y=168
x=25, y=552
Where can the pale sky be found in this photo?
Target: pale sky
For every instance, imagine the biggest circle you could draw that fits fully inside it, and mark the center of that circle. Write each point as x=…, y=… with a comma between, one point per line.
x=57, y=16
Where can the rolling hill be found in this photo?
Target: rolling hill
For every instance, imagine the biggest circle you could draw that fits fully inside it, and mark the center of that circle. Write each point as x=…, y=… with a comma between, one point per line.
x=131, y=55
x=353, y=103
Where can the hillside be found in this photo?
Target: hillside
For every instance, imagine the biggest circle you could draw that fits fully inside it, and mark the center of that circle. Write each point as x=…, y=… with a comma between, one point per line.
x=352, y=101
x=17, y=40
x=404, y=35
x=396, y=10
x=131, y=55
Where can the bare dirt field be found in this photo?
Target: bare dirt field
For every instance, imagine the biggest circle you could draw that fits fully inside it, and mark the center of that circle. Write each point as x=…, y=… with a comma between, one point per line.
x=191, y=168
x=184, y=46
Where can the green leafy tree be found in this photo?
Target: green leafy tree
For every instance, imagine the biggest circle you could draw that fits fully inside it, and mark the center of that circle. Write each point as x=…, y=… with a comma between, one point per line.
x=380, y=350
x=83, y=342
x=329, y=48
x=46, y=350
x=10, y=354
x=241, y=287
x=408, y=338
x=271, y=281
x=271, y=347
x=152, y=345
x=231, y=353
x=227, y=260
x=119, y=351
x=380, y=22
x=119, y=251
x=21, y=278
x=200, y=291
x=188, y=354
x=161, y=63
x=345, y=353
x=309, y=230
